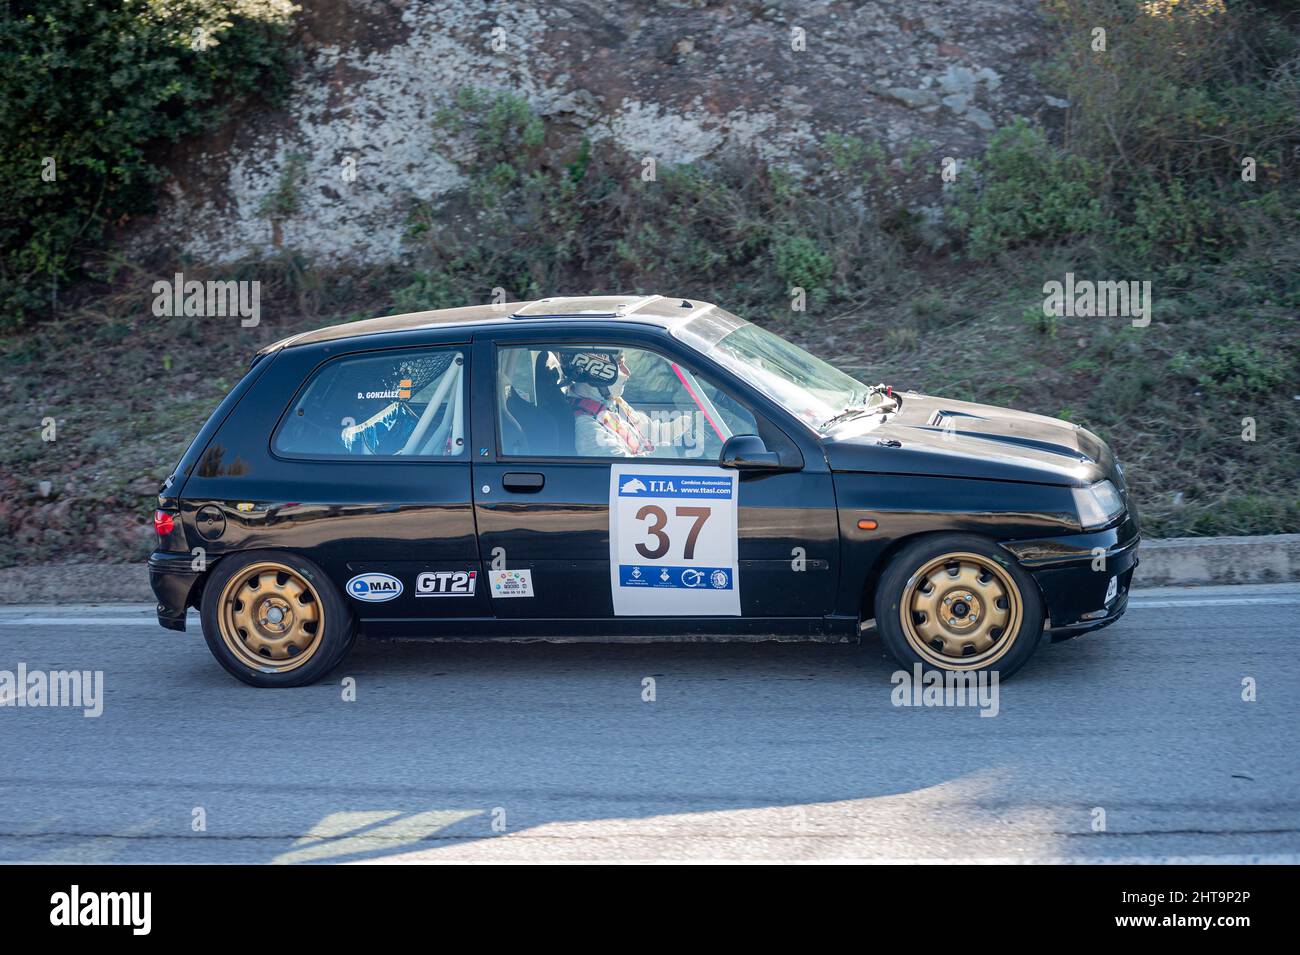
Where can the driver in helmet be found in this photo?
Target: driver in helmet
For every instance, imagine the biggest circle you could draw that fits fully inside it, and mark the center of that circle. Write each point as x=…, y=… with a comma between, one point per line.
x=604, y=424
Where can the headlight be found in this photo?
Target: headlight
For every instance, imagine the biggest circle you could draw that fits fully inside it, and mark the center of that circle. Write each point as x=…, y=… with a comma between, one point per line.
x=1097, y=505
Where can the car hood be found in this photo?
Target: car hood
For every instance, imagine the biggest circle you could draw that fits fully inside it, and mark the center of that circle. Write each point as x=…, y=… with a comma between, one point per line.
x=937, y=436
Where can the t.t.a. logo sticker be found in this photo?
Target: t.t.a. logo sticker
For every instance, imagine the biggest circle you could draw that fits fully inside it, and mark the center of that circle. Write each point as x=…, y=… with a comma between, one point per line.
x=446, y=583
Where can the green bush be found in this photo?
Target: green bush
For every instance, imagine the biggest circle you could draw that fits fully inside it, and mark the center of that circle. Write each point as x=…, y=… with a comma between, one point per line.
x=1184, y=89
x=800, y=262
x=540, y=214
x=1235, y=371
x=1024, y=190
x=88, y=88
x=1168, y=219
x=282, y=201
x=1177, y=145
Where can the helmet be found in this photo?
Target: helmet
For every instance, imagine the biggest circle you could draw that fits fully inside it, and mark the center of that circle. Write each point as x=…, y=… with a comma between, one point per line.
x=598, y=367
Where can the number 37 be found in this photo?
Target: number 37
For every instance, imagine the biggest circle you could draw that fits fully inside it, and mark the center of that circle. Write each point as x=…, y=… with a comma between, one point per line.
x=659, y=520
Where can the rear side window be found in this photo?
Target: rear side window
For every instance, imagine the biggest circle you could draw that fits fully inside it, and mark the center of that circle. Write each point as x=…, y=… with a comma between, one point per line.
x=407, y=402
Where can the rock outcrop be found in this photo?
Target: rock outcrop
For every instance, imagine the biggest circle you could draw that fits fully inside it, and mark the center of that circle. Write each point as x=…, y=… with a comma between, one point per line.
x=356, y=143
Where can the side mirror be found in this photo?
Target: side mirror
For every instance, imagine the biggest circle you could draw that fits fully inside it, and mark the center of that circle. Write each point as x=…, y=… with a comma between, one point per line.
x=747, y=452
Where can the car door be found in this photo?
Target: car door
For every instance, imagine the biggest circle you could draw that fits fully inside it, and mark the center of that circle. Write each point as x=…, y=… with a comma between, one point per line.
x=542, y=500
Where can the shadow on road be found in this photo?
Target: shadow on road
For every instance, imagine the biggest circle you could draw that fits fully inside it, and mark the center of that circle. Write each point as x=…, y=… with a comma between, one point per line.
x=447, y=743
x=563, y=751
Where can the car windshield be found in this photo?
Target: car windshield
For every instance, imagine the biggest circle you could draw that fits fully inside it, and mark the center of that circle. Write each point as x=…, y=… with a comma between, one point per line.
x=813, y=390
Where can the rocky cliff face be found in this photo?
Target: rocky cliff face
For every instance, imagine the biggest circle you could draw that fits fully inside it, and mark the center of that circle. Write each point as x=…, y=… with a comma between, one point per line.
x=676, y=81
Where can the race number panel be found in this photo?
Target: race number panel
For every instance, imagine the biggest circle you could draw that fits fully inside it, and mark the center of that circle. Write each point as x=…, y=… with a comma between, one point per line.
x=672, y=541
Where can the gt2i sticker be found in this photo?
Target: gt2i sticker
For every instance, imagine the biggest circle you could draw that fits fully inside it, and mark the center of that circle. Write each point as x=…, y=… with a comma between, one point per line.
x=511, y=583
x=672, y=541
x=374, y=588
x=446, y=583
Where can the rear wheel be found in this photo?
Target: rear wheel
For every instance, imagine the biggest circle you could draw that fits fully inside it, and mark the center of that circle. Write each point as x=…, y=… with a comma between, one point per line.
x=274, y=619
x=956, y=602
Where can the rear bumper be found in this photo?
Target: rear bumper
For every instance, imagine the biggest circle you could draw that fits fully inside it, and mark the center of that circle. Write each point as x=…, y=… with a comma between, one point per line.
x=1076, y=574
x=172, y=578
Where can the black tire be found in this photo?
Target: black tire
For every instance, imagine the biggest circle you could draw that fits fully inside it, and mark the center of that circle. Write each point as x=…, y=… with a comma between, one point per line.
x=313, y=595
x=1007, y=651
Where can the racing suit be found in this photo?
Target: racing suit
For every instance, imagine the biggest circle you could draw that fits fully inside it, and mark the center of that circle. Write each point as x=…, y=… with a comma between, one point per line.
x=610, y=428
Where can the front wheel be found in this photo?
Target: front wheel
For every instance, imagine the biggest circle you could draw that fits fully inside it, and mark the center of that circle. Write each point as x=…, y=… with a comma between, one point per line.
x=273, y=619
x=956, y=602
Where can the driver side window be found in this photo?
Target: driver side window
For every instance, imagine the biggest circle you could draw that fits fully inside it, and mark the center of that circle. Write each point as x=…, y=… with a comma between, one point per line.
x=606, y=401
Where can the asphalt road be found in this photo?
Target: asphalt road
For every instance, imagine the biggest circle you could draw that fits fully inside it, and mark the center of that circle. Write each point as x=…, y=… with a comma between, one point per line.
x=774, y=751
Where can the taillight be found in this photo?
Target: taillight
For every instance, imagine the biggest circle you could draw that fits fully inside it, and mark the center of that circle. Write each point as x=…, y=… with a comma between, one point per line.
x=163, y=523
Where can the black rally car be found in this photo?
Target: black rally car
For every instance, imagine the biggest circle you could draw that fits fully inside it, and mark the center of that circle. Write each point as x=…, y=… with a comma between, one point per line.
x=624, y=467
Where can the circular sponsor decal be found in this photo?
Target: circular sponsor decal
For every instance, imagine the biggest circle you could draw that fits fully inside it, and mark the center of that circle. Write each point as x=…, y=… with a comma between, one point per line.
x=374, y=588
x=719, y=579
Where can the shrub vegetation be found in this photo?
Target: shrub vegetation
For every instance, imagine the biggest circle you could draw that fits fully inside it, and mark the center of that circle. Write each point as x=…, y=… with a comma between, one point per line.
x=1142, y=179
x=89, y=89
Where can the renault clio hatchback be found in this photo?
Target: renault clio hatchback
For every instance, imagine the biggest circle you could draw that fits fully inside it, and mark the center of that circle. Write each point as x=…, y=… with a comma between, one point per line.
x=618, y=467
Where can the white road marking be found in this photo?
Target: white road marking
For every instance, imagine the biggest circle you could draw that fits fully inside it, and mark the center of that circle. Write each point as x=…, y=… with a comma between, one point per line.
x=1274, y=858
x=75, y=622
x=134, y=615
x=1155, y=602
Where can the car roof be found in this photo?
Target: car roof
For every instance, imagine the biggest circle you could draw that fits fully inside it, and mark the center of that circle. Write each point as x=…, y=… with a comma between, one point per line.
x=659, y=310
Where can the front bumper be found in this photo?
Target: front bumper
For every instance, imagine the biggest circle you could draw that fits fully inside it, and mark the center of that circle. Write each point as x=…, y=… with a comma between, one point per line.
x=1113, y=613
x=172, y=577
x=1075, y=575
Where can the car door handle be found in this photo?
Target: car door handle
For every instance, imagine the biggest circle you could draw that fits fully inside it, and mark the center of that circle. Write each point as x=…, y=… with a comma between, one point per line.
x=523, y=482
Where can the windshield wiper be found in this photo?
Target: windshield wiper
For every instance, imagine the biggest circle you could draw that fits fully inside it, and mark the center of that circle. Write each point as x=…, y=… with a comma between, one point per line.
x=887, y=404
x=844, y=415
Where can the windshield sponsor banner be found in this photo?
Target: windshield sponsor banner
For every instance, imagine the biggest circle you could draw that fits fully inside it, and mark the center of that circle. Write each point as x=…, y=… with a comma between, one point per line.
x=672, y=541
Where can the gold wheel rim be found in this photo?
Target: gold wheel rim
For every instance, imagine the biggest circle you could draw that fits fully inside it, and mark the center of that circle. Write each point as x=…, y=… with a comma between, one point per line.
x=271, y=617
x=961, y=611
